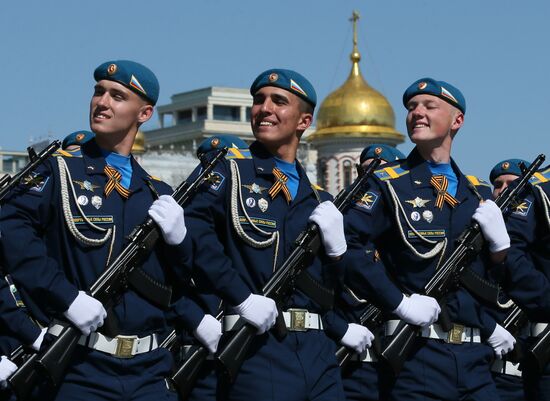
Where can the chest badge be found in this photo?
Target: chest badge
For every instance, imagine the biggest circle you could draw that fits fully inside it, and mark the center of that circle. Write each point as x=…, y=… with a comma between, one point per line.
x=415, y=216
x=262, y=204
x=418, y=182
x=255, y=188
x=250, y=202
x=87, y=185
x=428, y=215
x=418, y=202
x=97, y=201
x=82, y=200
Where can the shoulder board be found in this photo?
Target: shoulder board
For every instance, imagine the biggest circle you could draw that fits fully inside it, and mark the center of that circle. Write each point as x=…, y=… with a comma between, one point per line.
x=235, y=153
x=540, y=177
x=152, y=177
x=64, y=153
x=477, y=181
x=317, y=187
x=390, y=172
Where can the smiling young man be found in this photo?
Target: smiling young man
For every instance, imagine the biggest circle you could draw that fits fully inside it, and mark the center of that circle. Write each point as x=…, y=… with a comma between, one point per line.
x=72, y=217
x=416, y=210
x=247, y=220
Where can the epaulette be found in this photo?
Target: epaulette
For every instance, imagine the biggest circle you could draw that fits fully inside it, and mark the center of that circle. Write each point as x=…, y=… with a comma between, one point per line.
x=154, y=178
x=236, y=153
x=391, y=172
x=317, y=187
x=475, y=181
x=540, y=176
x=65, y=153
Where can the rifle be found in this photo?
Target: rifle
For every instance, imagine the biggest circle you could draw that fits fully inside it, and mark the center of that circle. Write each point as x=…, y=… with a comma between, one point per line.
x=372, y=319
x=108, y=287
x=469, y=245
x=514, y=322
x=185, y=375
x=281, y=284
x=7, y=183
x=538, y=354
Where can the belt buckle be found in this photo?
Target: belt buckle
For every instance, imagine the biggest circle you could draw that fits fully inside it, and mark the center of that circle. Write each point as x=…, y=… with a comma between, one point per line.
x=297, y=319
x=125, y=346
x=455, y=334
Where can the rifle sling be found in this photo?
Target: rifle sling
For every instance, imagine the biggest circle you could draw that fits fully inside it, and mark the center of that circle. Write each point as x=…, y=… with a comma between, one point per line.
x=479, y=287
x=150, y=288
x=314, y=290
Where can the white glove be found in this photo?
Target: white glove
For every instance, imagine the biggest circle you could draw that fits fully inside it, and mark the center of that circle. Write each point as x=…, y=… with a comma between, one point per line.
x=501, y=341
x=38, y=342
x=168, y=215
x=492, y=225
x=209, y=332
x=259, y=311
x=418, y=310
x=331, y=224
x=86, y=313
x=7, y=368
x=357, y=337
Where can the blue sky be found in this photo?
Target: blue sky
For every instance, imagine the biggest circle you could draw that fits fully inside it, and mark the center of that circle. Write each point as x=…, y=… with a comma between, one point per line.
x=496, y=52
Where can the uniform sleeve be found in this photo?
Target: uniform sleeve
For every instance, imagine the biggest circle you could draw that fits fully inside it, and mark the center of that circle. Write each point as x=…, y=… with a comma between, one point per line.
x=206, y=215
x=13, y=319
x=365, y=222
x=24, y=218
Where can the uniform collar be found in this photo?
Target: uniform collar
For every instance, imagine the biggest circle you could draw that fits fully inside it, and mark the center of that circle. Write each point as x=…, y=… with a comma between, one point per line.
x=94, y=163
x=420, y=175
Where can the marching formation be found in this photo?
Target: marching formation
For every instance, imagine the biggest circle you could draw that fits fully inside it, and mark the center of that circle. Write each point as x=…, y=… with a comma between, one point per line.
x=249, y=282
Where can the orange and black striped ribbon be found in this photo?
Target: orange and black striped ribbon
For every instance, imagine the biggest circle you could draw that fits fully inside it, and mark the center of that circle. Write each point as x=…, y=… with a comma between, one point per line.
x=114, y=182
x=280, y=185
x=440, y=183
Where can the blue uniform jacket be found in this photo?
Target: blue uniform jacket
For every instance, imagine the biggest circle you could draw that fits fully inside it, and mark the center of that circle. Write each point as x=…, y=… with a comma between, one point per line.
x=527, y=272
x=229, y=264
x=373, y=220
x=47, y=261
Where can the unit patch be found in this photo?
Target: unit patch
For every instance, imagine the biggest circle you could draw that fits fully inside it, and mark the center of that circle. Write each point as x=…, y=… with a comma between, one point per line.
x=368, y=200
x=35, y=182
x=215, y=179
x=522, y=207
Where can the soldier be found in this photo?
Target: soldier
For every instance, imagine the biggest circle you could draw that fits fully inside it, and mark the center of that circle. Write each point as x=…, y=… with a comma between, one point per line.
x=385, y=152
x=246, y=222
x=528, y=270
x=413, y=213
x=75, y=140
x=504, y=173
x=71, y=217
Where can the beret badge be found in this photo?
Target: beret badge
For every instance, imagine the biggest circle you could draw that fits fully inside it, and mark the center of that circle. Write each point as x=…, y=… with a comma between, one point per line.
x=273, y=77
x=215, y=142
x=79, y=137
x=378, y=150
x=506, y=165
x=422, y=85
x=111, y=69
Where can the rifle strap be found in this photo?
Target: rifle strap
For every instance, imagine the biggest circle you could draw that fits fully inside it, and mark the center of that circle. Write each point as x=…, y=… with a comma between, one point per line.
x=149, y=288
x=314, y=290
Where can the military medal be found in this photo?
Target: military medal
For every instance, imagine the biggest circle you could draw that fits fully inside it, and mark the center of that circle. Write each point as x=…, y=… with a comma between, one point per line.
x=418, y=202
x=262, y=204
x=415, y=216
x=428, y=215
x=87, y=185
x=82, y=200
x=255, y=188
x=97, y=201
x=250, y=202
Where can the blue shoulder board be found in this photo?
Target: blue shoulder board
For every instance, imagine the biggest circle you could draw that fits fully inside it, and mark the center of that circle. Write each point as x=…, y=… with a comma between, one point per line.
x=390, y=172
x=540, y=177
x=476, y=181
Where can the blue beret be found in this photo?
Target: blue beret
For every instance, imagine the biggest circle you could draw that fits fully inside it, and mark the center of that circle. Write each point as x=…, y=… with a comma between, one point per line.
x=441, y=89
x=134, y=76
x=288, y=80
x=77, y=138
x=220, y=141
x=509, y=166
x=385, y=152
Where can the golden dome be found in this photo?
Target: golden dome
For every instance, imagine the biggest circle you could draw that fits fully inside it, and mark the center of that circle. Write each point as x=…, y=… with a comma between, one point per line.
x=356, y=109
x=138, y=147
